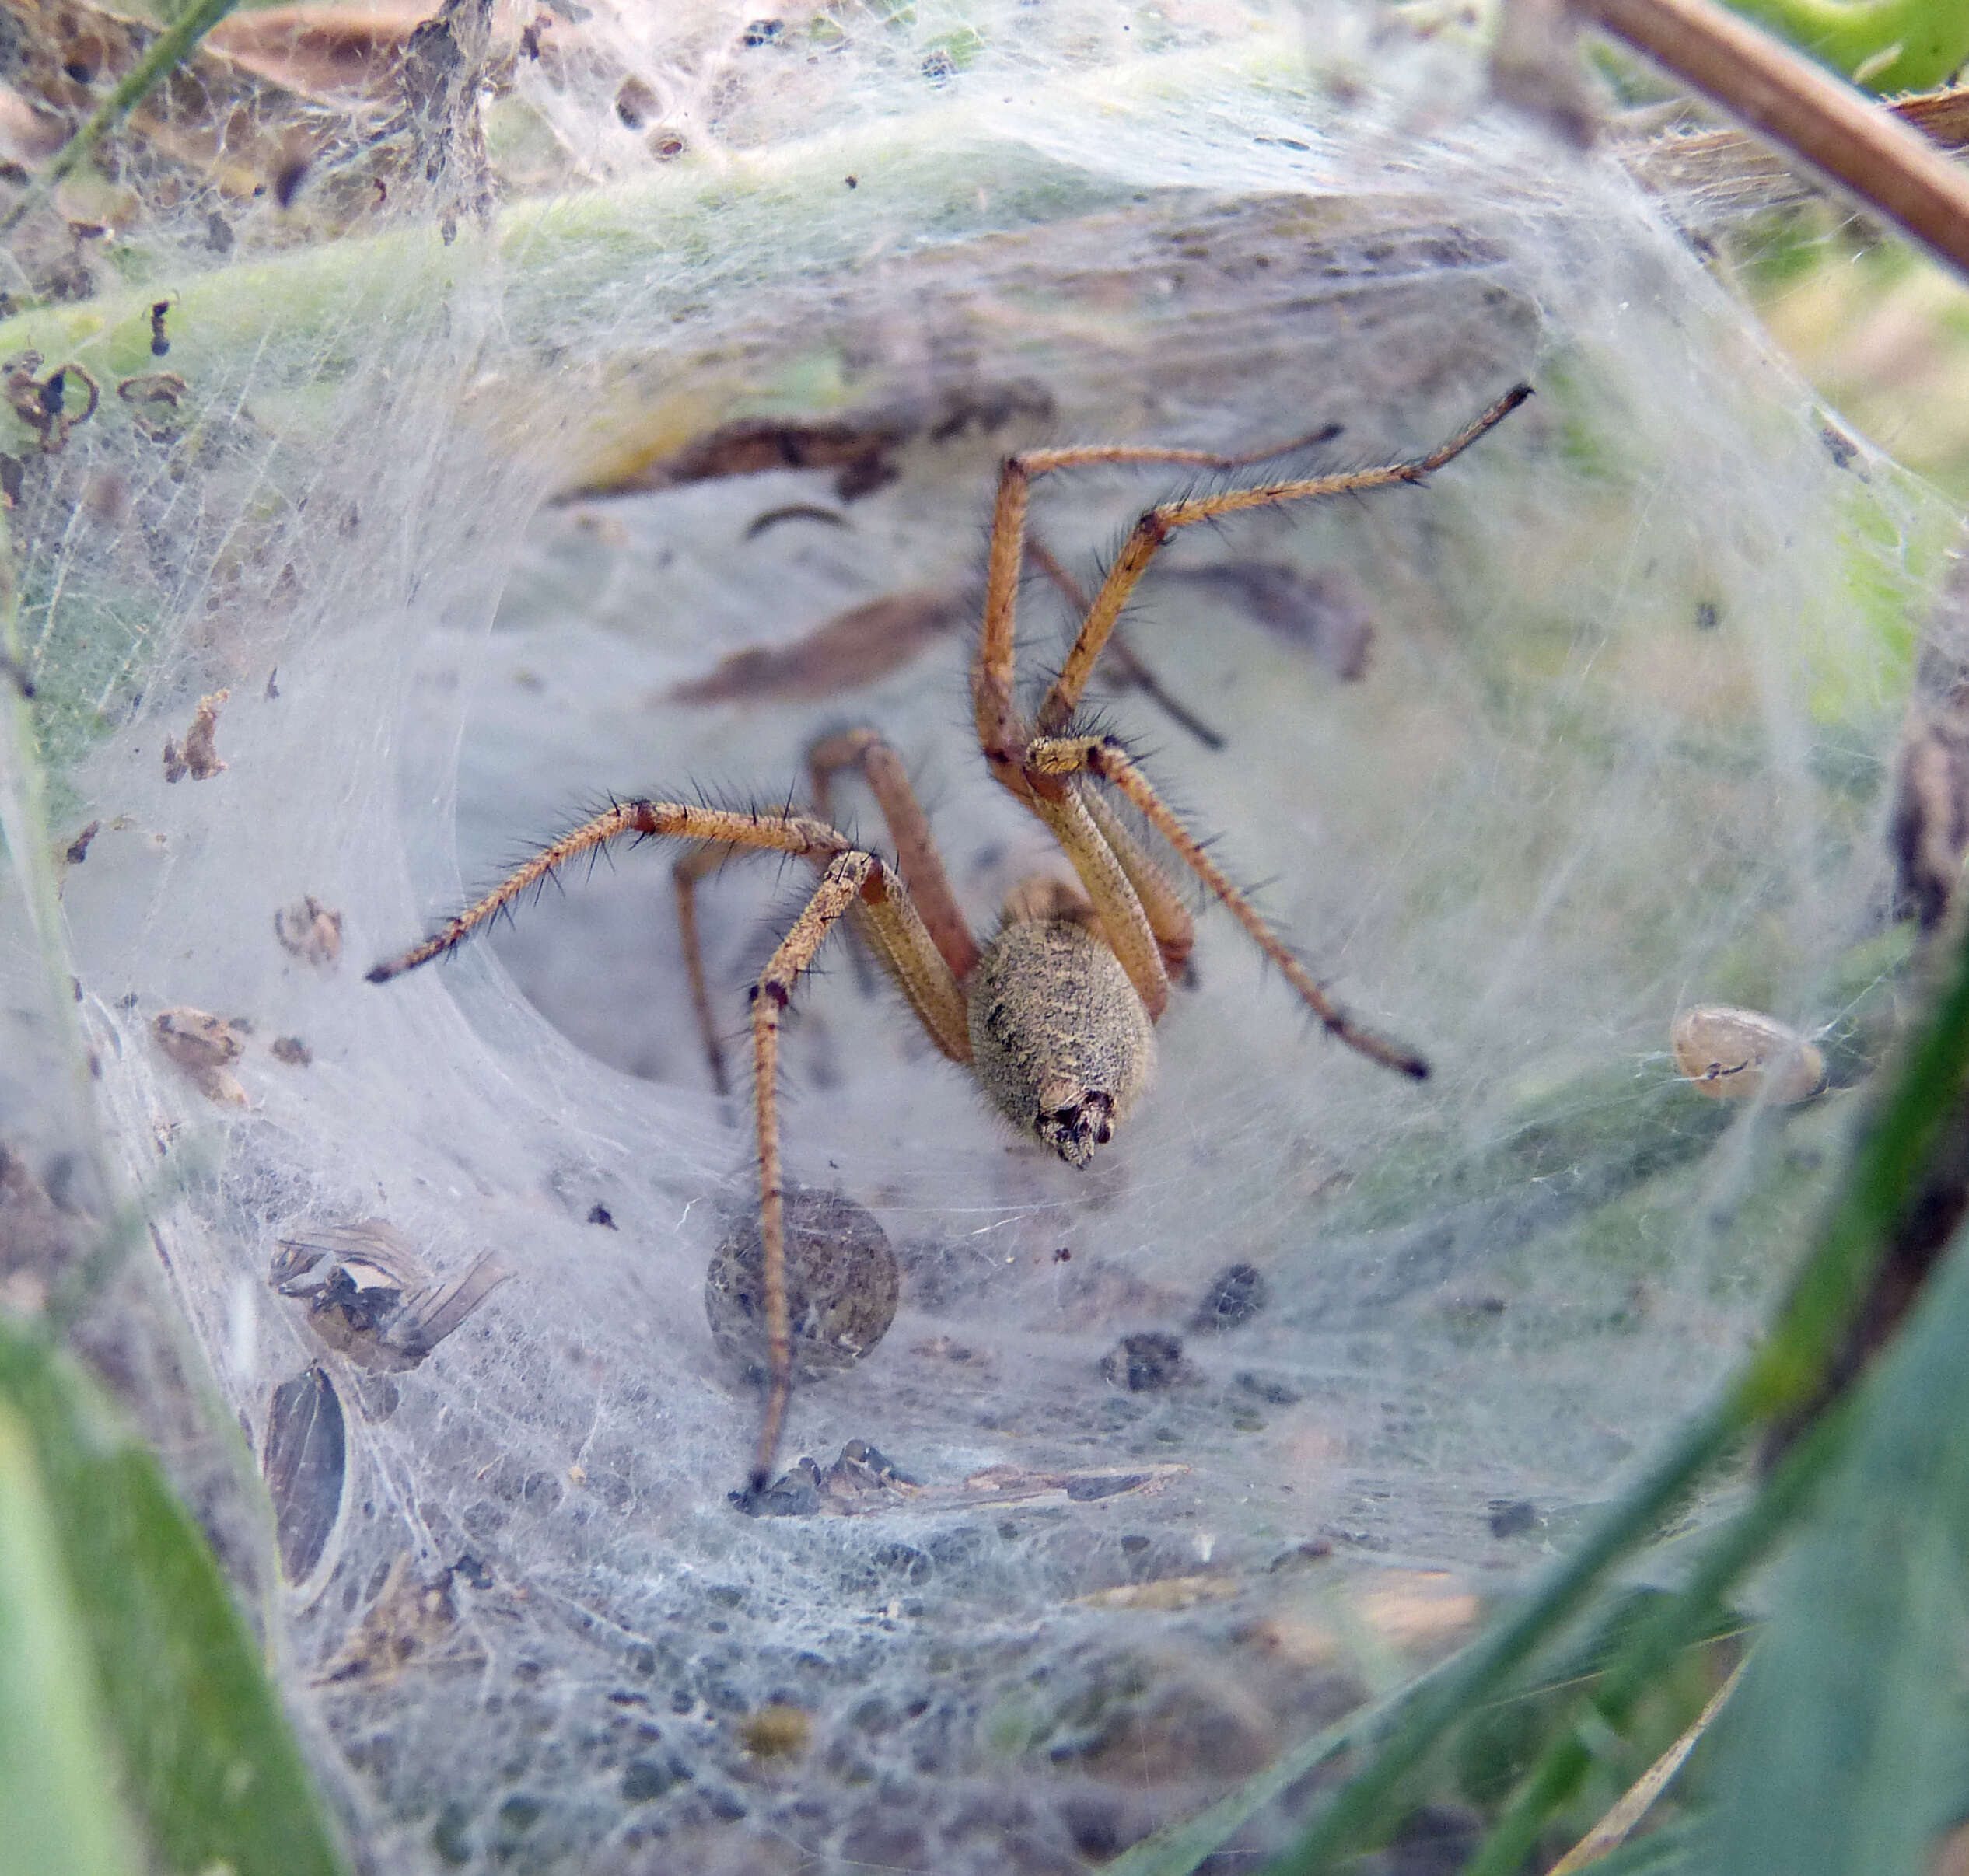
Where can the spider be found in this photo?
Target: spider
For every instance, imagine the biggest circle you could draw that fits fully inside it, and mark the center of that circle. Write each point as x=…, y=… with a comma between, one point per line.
x=1054, y=1016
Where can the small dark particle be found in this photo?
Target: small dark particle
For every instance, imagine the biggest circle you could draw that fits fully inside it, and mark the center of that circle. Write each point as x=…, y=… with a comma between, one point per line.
x=78, y=847
x=291, y=1050
x=473, y=1571
x=852, y=182
x=1085, y=1491
x=1708, y=616
x=1235, y=1295
x=666, y=145
x=273, y=689
x=159, y=343
x=288, y=180
x=1269, y=1389
x=1510, y=1517
x=764, y=33
x=1841, y=448
x=54, y=392
x=1063, y=1255
x=1145, y=1363
x=530, y=36
x=635, y=103
x=938, y=66
x=599, y=1213
x=383, y=191
x=1312, y=1551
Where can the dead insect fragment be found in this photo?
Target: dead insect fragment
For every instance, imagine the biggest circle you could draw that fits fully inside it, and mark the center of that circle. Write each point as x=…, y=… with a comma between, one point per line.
x=371, y=1297
x=311, y=931
x=198, y=757
x=43, y=403
x=1742, y=1055
x=203, y=1046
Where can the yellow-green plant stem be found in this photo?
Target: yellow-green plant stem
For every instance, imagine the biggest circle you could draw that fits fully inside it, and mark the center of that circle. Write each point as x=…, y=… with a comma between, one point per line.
x=168, y=51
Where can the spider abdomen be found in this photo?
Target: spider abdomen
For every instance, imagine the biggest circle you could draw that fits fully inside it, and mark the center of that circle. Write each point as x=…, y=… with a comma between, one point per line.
x=1059, y=1039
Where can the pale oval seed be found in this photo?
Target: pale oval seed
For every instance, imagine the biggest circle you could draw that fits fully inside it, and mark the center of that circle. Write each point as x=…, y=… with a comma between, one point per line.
x=1741, y=1055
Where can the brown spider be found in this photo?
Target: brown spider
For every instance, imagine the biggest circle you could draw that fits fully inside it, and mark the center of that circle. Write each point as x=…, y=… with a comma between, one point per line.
x=1055, y=1017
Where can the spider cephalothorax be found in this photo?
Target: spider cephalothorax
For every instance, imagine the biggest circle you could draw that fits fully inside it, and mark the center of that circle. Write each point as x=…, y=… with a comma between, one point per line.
x=1055, y=1017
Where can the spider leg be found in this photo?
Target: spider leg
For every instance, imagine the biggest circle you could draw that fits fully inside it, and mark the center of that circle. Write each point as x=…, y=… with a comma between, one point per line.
x=854, y=880
x=1059, y=759
x=850, y=878
x=909, y=828
x=1159, y=523
x=1059, y=801
x=689, y=869
x=1123, y=661
x=798, y=834
x=1000, y=732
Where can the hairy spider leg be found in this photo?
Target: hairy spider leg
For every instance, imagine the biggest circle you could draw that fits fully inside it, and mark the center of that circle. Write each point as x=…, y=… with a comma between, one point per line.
x=1155, y=527
x=1044, y=773
x=690, y=869
x=850, y=878
x=1103, y=757
x=1126, y=662
x=909, y=831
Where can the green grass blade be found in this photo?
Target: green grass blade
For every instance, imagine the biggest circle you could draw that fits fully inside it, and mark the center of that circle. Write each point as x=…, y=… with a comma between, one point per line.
x=1848, y=1746
x=210, y=1767
x=57, y=1784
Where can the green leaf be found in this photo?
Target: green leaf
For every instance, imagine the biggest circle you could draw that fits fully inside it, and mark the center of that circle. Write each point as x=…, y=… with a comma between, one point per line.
x=1846, y=1747
x=56, y=1779
x=209, y=1768
x=1886, y=46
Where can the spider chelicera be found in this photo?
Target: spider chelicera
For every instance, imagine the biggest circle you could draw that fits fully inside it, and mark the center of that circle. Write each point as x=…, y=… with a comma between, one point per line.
x=1054, y=1016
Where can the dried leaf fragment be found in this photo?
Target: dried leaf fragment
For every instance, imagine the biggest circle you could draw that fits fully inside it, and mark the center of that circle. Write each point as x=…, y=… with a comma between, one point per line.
x=311, y=931
x=305, y=1461
x=1741, y=1055
x=202, y=1045
x=410, y=1623
x=195, y=1038
x=199, y=757
x=852, y=649
x=1166, y=1593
